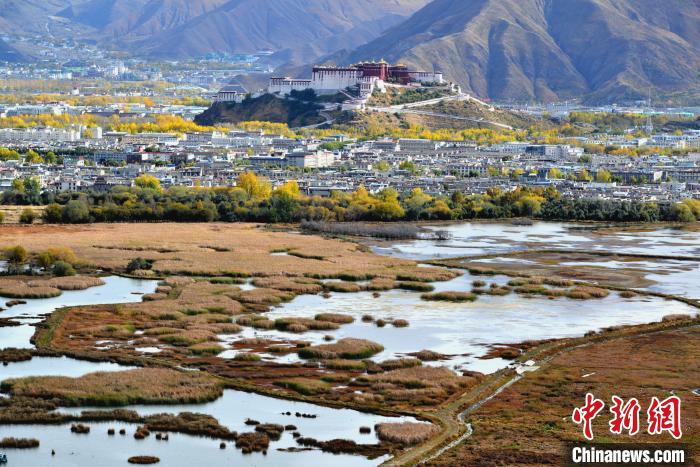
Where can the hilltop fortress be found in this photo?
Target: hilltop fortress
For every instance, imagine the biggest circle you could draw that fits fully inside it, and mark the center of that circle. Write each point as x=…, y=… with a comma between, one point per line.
x=365, y=76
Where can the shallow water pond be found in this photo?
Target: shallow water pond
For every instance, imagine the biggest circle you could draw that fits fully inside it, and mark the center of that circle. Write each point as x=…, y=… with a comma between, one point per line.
x=477, y=238
x=116, y=290
x=234, y=407
x=465, y=329
x=56, y=366
x=99, y=449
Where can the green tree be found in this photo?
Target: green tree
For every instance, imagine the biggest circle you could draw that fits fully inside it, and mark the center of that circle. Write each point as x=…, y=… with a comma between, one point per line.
x=53, y=214
x=16, y=255
x=75, y=212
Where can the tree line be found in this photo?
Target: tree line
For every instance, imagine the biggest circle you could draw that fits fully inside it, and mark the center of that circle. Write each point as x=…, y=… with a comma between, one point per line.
x=254, y=200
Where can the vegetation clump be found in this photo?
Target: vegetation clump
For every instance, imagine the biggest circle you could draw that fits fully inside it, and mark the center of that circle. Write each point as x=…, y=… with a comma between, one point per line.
x=140, y=386
x=405, y=433
x=19, y=443
x=346, y=348
x=143, y=460
x=450, y=297
x=252, y=442
x=337, y=318
x=416, y=286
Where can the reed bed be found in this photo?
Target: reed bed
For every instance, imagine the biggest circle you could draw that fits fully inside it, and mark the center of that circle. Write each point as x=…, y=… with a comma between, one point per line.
x=337, y=318
x=398, y=363
x=206, y=348
x=143, y=460
x=305, y=386
x=19, y=443
x=585, y=293
x=69, y=282
x=449, y=297
x=22, y=290
x=120, y=388
x=299, y=286
x=405, y=433
x=347, y=348
x=415, y=286
x=175, y=250
x=342, y=287
x=247, y=357
x=379, y=284
x=345, y=365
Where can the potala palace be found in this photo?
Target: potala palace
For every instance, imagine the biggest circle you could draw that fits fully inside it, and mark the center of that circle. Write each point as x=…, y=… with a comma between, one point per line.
x=365, y=76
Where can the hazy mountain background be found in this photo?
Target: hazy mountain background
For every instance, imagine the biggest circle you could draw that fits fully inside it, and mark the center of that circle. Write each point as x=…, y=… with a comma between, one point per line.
x=603, y=50
x=551, y=49
x=297, y=30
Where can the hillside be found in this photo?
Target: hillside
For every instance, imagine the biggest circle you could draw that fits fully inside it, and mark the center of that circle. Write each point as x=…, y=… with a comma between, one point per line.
x=293, y=112
x=297, y=30
x=544, y=50
x=9, y=54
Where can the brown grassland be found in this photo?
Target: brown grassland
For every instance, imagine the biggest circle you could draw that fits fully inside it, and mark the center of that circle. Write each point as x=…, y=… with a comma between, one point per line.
x=530, y=423
x=242, y=249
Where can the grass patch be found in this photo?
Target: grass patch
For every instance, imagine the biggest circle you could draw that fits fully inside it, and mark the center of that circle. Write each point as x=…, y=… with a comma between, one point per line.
x=305, y=386
x=19, y=443
x=140, y=386
x=347, y=348
x=405, y=433
x=416, y=286
x=449, y=297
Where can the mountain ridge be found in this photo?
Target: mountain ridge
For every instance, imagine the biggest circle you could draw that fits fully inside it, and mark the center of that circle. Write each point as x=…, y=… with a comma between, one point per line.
x=549, y=50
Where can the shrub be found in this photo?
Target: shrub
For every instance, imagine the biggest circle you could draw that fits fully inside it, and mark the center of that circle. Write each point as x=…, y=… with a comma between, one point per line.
x=478, y=284
x=139, y=264
x=16, y=254
x=2, y=217
x=62, y=269
x=27, y=216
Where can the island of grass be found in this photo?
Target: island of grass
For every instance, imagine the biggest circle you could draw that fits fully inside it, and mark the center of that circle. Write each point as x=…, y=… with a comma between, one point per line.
x=140, y=386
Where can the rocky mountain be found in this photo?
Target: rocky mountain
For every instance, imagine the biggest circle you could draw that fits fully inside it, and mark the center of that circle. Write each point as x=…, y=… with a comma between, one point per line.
x=298, y=30
x=605, y=50
x=9, y=54
x=23, y=16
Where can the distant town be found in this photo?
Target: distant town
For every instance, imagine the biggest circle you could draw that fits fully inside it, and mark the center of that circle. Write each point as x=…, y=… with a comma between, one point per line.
x=93, y=157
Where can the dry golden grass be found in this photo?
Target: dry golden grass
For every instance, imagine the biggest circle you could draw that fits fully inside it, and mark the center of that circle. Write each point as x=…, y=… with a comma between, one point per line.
x=405, y=433
x=299, y=285
x=120, y=388
x=70, y=282
x=32, y=287
x=240, y=250
x=334, y=318
x=12, y=288
x=584, y=293
x=342, y=287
